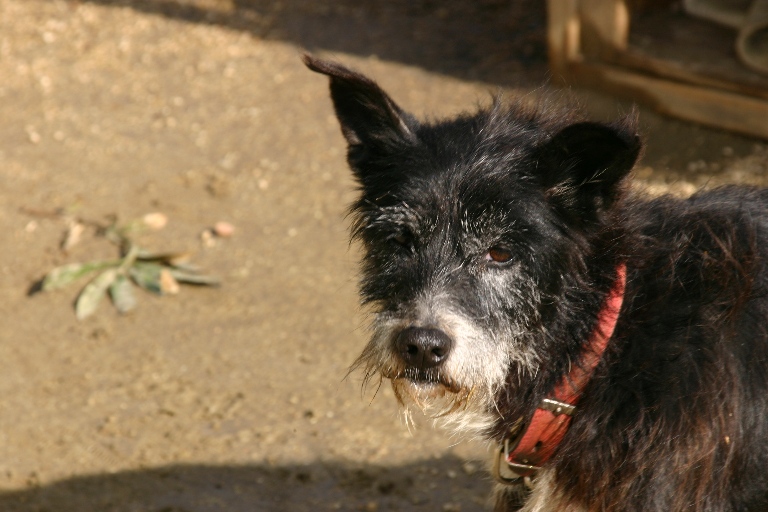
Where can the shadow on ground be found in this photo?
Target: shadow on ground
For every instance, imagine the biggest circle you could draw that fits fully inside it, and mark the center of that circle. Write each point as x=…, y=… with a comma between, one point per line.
x=488, y=40
x=444, y=484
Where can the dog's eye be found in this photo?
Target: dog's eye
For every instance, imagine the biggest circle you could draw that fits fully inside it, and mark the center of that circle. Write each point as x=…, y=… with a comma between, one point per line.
x=402, y=239
x=498, y=254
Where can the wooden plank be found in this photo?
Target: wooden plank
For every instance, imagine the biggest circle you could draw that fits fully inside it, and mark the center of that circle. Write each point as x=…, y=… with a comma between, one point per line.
x=710, y=107
x=562, y=35
x=703, y=50
x=571, y=24
x=633, y=60
x=604, y=26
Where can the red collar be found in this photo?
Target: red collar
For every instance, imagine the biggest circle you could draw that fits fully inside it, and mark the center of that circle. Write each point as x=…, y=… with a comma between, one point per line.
x=533, y=446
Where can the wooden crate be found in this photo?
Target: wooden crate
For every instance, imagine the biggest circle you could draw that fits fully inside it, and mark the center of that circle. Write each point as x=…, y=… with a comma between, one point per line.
x=680, y=70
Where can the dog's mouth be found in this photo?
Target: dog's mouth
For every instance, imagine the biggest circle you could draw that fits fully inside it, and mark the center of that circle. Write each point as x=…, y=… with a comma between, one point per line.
x=433, y=391
x=414, y=360
x=424, y=380
x=435, y=397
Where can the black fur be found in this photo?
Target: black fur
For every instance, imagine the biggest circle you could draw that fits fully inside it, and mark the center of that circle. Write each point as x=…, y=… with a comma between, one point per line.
x=503, y=230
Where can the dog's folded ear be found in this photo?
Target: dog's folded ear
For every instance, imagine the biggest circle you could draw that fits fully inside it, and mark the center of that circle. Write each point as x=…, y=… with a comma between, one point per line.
x=582, y=166
x=369, y=119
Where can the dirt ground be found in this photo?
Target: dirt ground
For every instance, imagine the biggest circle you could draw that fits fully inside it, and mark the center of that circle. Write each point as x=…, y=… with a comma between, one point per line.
x=235, y=398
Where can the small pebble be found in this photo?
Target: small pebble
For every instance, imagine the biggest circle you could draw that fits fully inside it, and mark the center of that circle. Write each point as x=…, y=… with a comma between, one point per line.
x=155, y=220
x=223, y=229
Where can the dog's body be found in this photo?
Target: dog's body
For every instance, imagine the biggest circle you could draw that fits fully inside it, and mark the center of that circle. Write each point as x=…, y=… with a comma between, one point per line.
x=493, y=242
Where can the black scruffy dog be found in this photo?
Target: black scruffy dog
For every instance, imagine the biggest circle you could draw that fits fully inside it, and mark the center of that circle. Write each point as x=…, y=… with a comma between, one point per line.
x=615, y=347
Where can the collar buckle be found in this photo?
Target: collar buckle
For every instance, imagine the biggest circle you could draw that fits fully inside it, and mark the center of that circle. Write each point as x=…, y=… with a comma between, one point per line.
x=514, y=473
x=557, y=407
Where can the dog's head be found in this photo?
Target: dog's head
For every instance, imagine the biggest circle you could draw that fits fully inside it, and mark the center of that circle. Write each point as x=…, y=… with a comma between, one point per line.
x=475, y=230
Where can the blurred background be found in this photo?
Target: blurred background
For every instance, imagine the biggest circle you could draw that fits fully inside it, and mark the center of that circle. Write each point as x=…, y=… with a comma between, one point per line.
x=236, y=398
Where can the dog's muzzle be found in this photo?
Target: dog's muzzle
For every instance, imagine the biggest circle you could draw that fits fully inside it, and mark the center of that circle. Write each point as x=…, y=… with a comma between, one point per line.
x=422, y=348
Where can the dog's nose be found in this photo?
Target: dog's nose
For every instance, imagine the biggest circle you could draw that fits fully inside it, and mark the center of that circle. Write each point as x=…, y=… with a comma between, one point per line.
x=423, y=347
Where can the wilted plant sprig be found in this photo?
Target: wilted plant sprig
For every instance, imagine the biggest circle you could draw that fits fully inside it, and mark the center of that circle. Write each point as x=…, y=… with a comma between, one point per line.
x=159, y=273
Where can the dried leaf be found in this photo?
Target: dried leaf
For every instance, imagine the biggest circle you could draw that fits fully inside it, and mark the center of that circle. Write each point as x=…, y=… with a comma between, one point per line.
x=74, y=233
x=185, y=267
x=121, y=292
x=168, y=283
x=169, y=258
x=207, y=238
x=183, y=276
x=147, y=275
x=59, y=277
x=91, y=296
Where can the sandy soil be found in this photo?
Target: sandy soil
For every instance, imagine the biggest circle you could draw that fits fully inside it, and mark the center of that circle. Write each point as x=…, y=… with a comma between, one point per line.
x=234, y=398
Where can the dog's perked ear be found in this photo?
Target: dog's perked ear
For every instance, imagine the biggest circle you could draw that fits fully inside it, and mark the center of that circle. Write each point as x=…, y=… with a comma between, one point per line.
x=582, y=167
x=370, y=120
